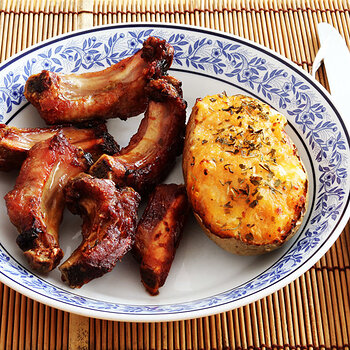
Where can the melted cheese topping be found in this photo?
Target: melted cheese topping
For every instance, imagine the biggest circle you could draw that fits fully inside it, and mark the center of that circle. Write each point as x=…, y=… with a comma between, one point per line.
x=243, y=174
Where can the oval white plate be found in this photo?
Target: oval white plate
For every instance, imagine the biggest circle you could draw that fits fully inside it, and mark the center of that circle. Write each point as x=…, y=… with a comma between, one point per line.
x=203, y=279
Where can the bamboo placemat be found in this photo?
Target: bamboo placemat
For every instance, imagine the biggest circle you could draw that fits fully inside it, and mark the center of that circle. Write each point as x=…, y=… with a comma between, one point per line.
x=313, y=312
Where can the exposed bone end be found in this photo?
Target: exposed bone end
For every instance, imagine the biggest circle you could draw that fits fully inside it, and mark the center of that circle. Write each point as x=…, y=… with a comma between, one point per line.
x=38, y=83
x=160, y=52
x=167, y=88
x=26, y=240
x=43, y=92
x=44, y=259
x=40, y=249
x=109, y=145
x=109, y=167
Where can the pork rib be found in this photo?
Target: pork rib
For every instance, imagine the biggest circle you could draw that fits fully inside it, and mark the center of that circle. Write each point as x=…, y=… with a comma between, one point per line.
x=109, y=222
x=158, y=234
x=152, y=151
x=15, y=143
x=117, y=91
x=35, y=205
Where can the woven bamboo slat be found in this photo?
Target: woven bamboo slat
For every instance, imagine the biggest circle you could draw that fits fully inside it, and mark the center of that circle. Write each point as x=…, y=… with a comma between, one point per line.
x=313, y=312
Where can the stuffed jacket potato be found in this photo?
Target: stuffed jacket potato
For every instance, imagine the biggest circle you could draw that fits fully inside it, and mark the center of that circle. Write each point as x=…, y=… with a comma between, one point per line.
x=244, y=178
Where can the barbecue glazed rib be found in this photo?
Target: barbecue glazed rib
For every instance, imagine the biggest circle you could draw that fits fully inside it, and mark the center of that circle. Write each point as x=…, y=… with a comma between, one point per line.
x=35, y=206
x=152, y=151
x=109, y=222
x=158, y=234
x=117, y=91
x=15, y=143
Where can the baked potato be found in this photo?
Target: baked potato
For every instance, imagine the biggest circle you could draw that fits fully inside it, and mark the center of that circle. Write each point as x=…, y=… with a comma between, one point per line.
x=245, y=181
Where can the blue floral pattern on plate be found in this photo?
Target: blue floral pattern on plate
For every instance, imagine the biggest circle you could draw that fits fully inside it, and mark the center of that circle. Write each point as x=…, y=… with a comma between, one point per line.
x=231, y=59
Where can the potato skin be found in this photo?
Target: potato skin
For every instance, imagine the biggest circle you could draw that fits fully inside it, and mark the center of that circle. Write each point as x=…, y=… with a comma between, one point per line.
x=245, y=181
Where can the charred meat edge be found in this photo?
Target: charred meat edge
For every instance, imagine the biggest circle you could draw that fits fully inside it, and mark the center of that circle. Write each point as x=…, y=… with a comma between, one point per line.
x=158, y=234
x=116, y=92
x=35, y=205
x=15, y=143
x=152, y=151
x=109, y=222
